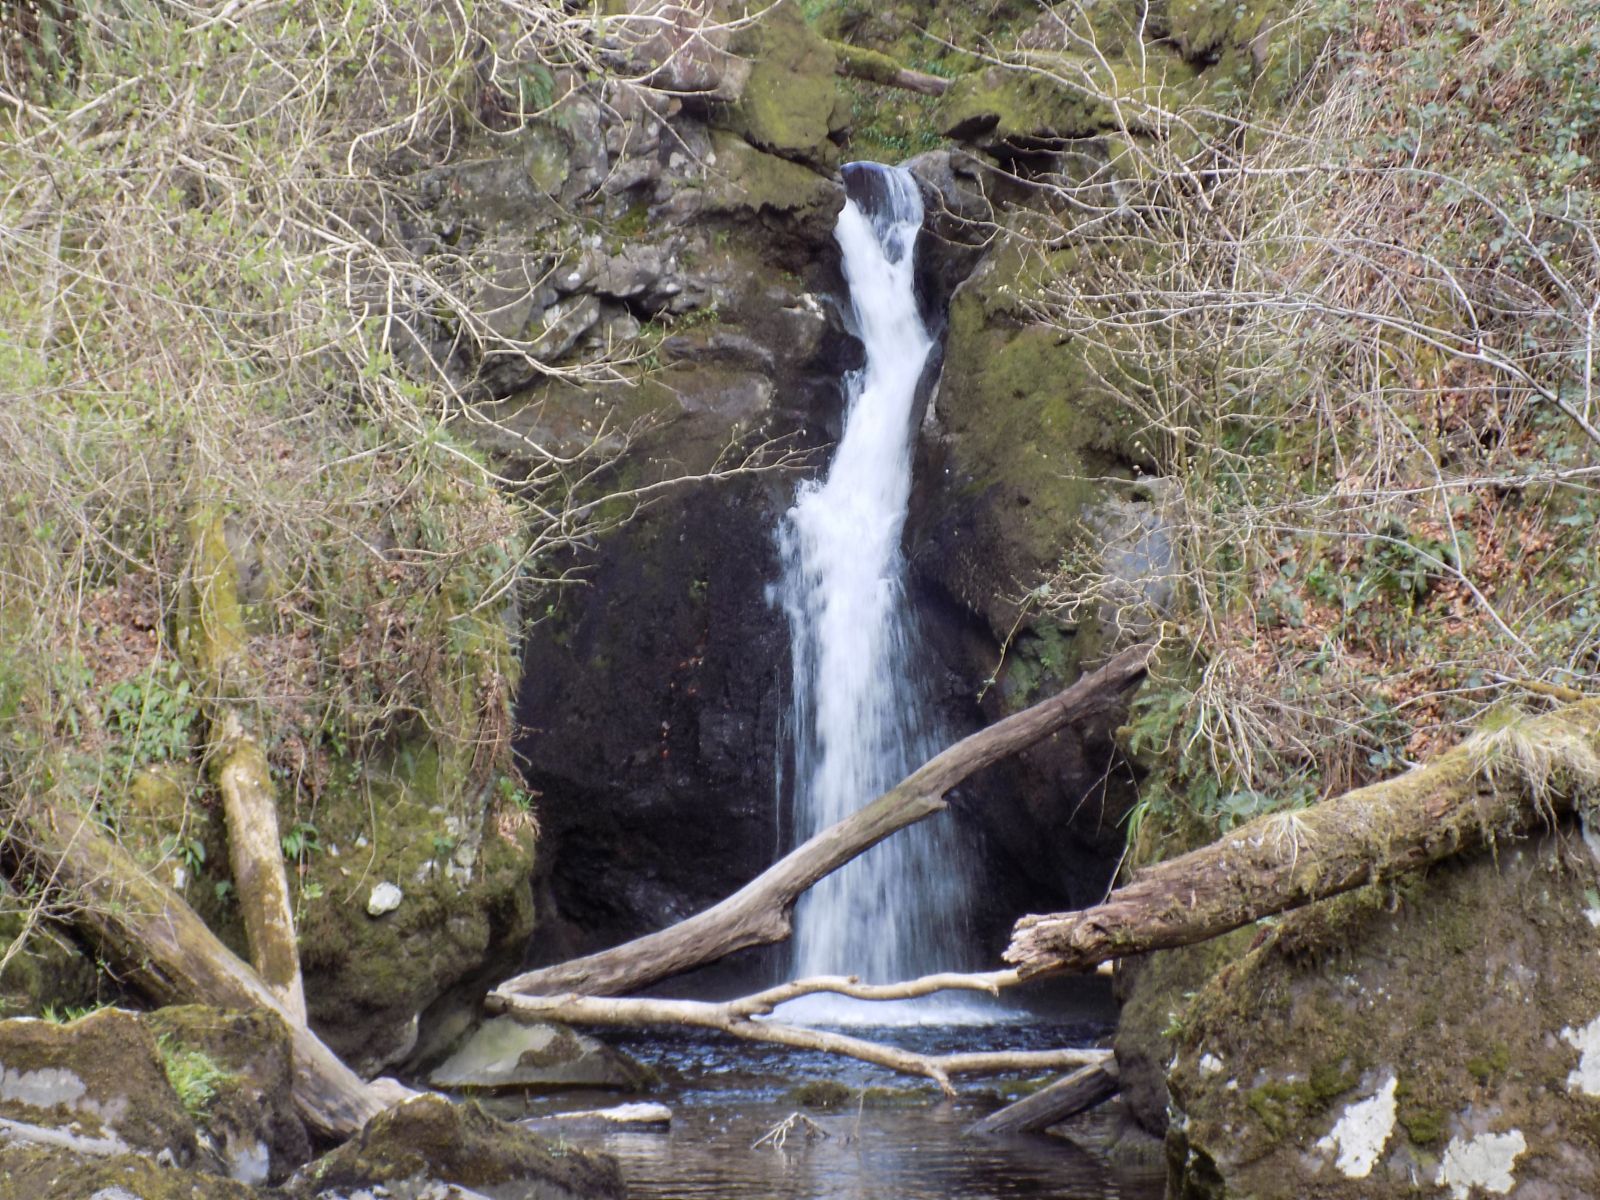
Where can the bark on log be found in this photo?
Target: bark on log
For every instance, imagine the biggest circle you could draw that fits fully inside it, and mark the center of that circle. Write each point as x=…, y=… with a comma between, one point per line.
x=762, y=911
x=213, y=640
x=856, y=62
x=742, y=1019
x=1062, y=1100
x=1495, y=784
x=157, y=941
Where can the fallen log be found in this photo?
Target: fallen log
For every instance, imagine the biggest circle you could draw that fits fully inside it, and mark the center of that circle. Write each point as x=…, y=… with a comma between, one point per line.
x=1495, y=784
x=1062, y=1100
x=212, y=638
x=162, y=946
x=869, y=66
x=762, y=911
x=743, y=1018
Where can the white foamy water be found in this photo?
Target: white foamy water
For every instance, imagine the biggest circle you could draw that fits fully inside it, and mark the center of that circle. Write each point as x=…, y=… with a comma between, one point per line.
x=860, y=721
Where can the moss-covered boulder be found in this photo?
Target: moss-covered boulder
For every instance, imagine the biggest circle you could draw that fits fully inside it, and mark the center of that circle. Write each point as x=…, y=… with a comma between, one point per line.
x=429, y=1140
x=235, y=1073
x=1435, y=1037
x=462, y=865
x=791, y=104
x=38, y=1173
x=102, y=1077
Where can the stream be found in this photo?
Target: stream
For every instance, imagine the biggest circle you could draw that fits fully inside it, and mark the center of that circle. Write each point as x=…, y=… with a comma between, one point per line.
x=893, y=1138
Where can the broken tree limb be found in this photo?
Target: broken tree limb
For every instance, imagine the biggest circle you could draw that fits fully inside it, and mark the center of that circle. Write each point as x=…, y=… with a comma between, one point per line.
x=742, y=1018
x=1495, y=784
x=762, y=911
x=213, y=639
x=1065, y=1098
x=162, y=946
x=869, y=66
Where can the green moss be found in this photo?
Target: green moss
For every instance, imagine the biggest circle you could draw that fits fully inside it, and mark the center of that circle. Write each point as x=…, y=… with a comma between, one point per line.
x=1484, y=1067
x=822, y=1093
x=791, y=103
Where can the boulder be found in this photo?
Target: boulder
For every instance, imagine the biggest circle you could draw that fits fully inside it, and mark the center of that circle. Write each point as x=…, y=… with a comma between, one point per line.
x=792, y=105
x=102, y=1078
x=429, y=1143
x=1434, y=1036
x=681, y=46
x=245, y=1112
x=35, y=1173
x=505, y=1052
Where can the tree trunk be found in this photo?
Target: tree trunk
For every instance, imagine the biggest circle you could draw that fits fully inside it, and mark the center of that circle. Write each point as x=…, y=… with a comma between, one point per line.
x=1495, y=784
x=762, y=911
x=158, y=942
x=1063, y=1099
x=213, y=640
x=857, y=62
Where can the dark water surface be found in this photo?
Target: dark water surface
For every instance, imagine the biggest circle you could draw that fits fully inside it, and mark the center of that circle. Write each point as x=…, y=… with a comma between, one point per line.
x=903, y=1144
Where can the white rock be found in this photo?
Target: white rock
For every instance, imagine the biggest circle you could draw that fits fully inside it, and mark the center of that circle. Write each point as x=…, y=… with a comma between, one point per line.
x=1484, y=1161
x=1210, y=1064
x=1362, y=1131
x=385, y=898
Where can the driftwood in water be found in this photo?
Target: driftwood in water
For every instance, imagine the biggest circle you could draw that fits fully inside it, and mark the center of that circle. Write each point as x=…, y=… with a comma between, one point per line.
x=869, y=66
x=1062, y=1100
x=742, y=1018
x=160, y=944
x=1494, y=784
x=761, y=912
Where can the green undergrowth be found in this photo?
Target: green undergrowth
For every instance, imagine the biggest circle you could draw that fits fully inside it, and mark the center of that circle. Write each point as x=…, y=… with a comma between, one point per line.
x=228, y=370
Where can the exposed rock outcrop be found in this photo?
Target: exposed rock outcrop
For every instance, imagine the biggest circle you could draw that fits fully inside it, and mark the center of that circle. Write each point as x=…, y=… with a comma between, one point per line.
x=1437, y=1034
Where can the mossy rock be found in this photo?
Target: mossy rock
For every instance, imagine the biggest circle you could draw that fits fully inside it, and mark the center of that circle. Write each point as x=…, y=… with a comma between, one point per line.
x=48, y=971
x=1011, y=111
x=40, y=1174
x=792, y=105
x=748, y=181
x=1401, y=1034
x=103, y=1074
x=1029, y=430
x=429, y=1138
x=1156, y=992
x=467, y=902
x=245, y=1109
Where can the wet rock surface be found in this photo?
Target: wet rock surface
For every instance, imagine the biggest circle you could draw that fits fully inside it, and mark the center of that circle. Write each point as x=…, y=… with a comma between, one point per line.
x=504, y=1052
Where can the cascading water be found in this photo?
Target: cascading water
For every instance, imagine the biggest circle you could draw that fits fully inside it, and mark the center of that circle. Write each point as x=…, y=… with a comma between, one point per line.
x=860, y=721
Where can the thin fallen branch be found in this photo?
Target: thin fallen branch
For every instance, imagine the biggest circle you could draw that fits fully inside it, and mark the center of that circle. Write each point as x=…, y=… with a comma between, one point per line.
x=762, y=911
x=1495, y=784
x=1065, y=1098
x=742, y=1018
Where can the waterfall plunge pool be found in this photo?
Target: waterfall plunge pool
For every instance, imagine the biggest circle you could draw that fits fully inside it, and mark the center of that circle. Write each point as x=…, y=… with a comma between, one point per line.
x=892, y=1137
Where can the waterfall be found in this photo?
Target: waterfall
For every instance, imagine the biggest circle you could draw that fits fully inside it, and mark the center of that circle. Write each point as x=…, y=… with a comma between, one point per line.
x=860, y=720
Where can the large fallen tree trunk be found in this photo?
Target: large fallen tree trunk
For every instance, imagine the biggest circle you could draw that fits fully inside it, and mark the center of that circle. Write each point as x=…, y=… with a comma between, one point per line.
x=162, y=946
x=762, y=911
x=742, y=1018
x=1495, y=784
